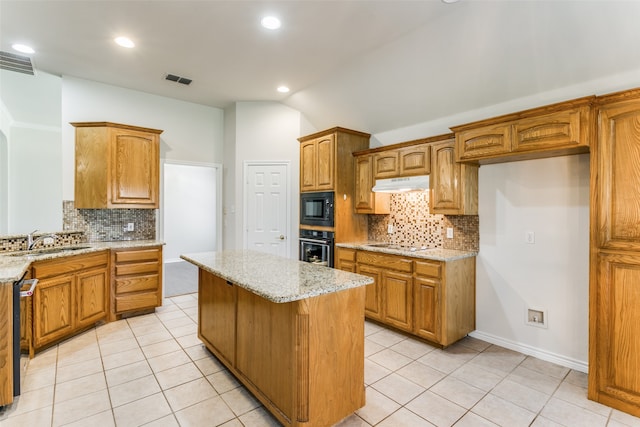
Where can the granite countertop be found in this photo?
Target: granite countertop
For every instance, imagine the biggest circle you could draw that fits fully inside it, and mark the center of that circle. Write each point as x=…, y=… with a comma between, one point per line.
x=437, y=254
x=14, y=264
x=275, y=278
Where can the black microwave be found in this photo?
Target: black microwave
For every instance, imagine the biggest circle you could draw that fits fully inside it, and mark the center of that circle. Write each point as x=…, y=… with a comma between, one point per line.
x=316, y=208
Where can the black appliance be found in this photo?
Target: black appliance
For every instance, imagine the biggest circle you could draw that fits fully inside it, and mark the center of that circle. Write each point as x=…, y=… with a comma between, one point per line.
x=317, y=209
x=18, y=293
x=317, y=247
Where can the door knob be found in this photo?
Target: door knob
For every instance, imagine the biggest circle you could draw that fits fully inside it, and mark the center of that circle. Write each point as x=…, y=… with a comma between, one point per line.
x=281, y=237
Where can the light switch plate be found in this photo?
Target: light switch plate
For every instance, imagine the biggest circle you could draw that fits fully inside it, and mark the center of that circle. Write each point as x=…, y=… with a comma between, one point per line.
x=449, y=232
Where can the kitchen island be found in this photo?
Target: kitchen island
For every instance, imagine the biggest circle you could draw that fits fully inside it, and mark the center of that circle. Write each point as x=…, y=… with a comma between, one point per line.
x=290, y=331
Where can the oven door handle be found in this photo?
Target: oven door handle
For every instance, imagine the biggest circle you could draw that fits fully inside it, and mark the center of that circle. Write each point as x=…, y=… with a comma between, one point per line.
x=318, y=242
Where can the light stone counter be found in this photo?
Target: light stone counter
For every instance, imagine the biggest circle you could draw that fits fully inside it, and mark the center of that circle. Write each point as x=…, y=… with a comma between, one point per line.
x=437, y=254
x=14, y=264
x=275, y=278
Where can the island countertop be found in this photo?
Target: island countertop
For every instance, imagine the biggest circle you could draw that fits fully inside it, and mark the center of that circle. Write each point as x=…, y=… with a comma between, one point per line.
x=275, y=278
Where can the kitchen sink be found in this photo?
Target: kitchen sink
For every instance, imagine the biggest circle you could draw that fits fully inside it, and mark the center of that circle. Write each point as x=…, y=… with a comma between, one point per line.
x=63, y=249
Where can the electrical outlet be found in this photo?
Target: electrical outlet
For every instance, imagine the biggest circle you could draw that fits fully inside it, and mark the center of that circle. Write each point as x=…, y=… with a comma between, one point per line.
x=48, y=241
x=130, y=226
x=449, y=233
x=529, y=237
x=390, y=229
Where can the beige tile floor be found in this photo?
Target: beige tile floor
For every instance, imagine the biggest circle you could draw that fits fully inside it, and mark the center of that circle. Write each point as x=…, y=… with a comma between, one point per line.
x=152, y=370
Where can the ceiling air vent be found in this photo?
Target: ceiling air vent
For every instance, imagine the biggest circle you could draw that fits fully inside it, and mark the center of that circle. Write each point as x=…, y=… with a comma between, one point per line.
x=178, y=79
x=17, y=63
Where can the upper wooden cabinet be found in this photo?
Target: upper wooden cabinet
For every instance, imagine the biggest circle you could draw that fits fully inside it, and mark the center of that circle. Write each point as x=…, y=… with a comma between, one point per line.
x=366, y=201
x=317, y=164
x=553, y=130
x=117, y=166
x=454, y=186
x=406, y=161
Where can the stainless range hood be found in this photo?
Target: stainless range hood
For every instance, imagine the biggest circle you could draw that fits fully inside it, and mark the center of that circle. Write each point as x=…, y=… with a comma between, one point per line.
x=402, y=185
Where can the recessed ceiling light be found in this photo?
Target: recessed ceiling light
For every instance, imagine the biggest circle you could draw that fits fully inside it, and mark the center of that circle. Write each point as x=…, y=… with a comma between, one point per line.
x=270, y=22
x=449, y=1
x=283, y=89
x=125, y=42
x=23, y=48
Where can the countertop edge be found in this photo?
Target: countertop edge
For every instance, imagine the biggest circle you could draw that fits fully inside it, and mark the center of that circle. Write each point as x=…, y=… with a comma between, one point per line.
x=13, y=266
x=436, y=254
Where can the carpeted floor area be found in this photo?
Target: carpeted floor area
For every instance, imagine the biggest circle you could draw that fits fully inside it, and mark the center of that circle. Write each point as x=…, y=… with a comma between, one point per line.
x=180, y=278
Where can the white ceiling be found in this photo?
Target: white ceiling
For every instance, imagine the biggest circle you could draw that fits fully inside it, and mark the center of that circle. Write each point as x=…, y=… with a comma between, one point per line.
x=367, y=65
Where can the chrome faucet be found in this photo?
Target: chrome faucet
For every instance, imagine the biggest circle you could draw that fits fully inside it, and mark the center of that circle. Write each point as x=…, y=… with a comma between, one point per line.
x=31, y=242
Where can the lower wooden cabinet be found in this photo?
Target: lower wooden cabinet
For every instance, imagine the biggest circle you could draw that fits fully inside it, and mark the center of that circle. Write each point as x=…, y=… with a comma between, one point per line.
x=71, y=295
x=300, y=359
x=432, y=299
x=136, y=280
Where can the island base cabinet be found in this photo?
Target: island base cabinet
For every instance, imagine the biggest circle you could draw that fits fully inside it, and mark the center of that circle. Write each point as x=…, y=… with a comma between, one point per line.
x=217, y=315
x=304, y=360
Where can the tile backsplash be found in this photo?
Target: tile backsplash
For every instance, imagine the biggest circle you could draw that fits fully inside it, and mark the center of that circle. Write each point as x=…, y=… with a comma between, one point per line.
x=413, y=225
x=101, y=225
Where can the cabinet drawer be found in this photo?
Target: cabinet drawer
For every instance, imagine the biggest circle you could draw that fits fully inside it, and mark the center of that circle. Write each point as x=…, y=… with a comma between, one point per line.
x=137, y=268
x=136, y=301
x=136, y=284
x=387, y=261
x=429, y=268
x=346, y=254
x=71, y=264
x=138, y=255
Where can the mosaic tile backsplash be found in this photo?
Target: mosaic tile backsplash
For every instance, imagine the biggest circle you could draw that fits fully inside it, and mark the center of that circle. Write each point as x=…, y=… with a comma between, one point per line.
x=19, y=242
x=414, y=226
x=102, y=225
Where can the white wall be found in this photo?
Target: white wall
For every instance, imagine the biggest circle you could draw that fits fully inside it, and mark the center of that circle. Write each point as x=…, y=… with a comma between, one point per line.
x=262, y=131
x=191, y=132
x=31, y=187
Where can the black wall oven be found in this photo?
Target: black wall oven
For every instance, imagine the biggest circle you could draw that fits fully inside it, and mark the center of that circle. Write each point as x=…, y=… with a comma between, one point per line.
x=316, y=247
x=316, y=209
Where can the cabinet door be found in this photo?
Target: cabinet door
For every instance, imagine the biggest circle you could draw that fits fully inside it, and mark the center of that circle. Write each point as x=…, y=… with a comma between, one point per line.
x=398, y=299
x=308, y=164
x=386, y=164
x=426, y=302
x=135, y=162
x=325, y=162
x=618, y=183
x=445, y=180
x=53, y=303
x=550, y=131
x=614, y=373
x=415, y=160
x=366, y=201
x=346, y=259
x=91, y=296
x=217, y=298
x=486, y=141
x=373, y=296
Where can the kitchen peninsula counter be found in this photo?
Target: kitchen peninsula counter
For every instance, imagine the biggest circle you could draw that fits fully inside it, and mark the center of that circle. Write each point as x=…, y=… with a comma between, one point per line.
x=291, y=332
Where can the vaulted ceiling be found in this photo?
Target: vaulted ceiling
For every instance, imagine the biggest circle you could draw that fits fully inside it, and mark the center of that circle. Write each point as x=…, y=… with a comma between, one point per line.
x=369, y=65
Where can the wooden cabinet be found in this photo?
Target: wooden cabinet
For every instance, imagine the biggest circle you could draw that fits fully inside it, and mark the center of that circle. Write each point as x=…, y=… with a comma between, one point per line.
x=345, y=259
x=71, y=295
x=217, y=299
x=317, y=164
x=454, y=186
x=117, y=166
x=366, y=201
x=304, y=360
x=553, y=130
x=614, y=294
x=405, y=161
x=326, y=164
x=434, y=300
x=390, y=298
x=136, y=280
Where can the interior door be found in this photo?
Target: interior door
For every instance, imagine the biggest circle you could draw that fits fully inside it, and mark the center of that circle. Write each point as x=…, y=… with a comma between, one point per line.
x=267, y=208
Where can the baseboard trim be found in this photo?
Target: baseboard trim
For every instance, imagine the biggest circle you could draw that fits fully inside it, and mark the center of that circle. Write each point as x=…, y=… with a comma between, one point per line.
x=558, y=359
